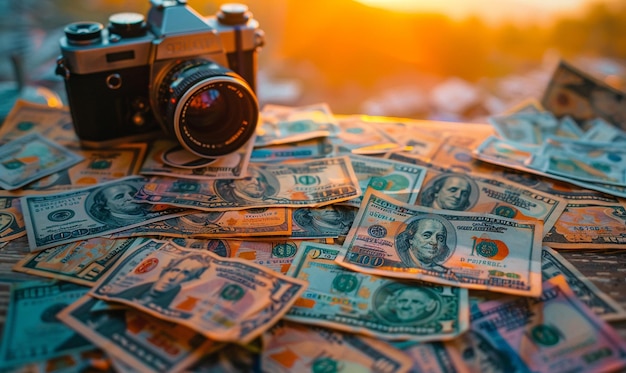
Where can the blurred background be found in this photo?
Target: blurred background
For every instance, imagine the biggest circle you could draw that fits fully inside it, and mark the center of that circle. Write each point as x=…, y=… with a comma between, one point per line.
x=458, y=60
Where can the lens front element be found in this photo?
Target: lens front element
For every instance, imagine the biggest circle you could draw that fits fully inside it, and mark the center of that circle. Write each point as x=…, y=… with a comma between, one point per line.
x=209, y=109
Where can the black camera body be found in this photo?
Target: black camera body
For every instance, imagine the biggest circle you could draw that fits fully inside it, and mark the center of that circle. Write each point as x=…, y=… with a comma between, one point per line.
x=190, y=76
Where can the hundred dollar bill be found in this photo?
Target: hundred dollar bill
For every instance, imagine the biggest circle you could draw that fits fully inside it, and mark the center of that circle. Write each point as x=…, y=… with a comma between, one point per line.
x=475, y=251
x=589, y=226
x=595, y=162
x=284, y=124
x=276, y=255
x=376, y=306
x=97, y=166
x=534, y=128
x=330, y=221
x=224, y=299
x=142, y=341
x=399, y=180
x=32, y=157
x=553, y=333
x=310, y=183
x=11, y=219
x=553, y=264
x=31, y=330
x=83, y=262
x=599, y=130
x=290, y=347
x=79, y=214
x=28, y=117
x=434, y=357
x=231, y=166
x=360, y=135
x=314, y=148
x=519, y=156
x=481, y=193
x=219, y=224
x=577, y=94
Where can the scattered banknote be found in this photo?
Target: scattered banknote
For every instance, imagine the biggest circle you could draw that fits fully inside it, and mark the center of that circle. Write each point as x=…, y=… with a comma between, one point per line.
x=314, y=148
x=553, y=333
x=577, y=94
x=593, y=162
x=533, y=128
x=376, y=306
x=599, y=130
x=231, y=166
x=98, y=166
x=518, y=156
x=312, y=183
x=28, y=117
x=285, y=124
x=434, y=357
x=75, y=215
x=30, y=158
x=360, y=135
x=589, y=226
x=290, y=347
x=399, y=180
x=554, y=264
x=475, y=251
x=275, y=255
x=11, y=219
x=32, y=331
x=482, y=193
x=12, y=252
x=83, y=262
x=143, y=342
x=273, y=221
x=330, y=221
x=224, y=299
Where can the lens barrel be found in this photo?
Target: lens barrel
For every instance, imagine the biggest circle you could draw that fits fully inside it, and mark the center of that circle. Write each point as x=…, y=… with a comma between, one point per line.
x=209, y=109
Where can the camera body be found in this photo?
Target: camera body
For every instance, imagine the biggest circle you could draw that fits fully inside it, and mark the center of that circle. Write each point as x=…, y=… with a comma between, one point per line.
x=129, y=81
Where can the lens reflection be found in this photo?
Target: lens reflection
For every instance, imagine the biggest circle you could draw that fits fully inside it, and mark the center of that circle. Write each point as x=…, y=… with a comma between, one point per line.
x=207, y=110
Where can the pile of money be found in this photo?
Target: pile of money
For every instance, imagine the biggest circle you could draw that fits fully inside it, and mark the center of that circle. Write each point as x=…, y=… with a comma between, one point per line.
x=326, y=243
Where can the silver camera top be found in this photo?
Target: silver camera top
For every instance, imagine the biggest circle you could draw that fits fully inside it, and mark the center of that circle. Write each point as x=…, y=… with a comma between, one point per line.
x=172, y=30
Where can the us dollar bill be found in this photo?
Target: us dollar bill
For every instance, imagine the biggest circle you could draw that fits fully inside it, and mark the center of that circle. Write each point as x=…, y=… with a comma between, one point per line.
x=554, y=264
x=219, y=224
x=75, y=215
x=594, y=162
x=291, y=347
x=434, y=357
x=577, y=94
x=553, y=333
x=315, y=148
x=470, y=250
x=482, y=193
x=376, y=306
x=28, y=117
x=141, y=341
x=98, y=166
x=83, y=262
x=589, y=226
x=31, y=157
x=12, y=224
x=224, y=299
x=230, y=166
x=400, y=180
x=329, y=221
x=284, y=124
x=31, y=329
x=315, y=182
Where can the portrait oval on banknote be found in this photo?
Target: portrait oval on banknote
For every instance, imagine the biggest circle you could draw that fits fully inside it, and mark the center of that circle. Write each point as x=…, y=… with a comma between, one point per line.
x=113, y=204
x=257, y=186
x=450, y=191
x=426, y=242
x=406, y=303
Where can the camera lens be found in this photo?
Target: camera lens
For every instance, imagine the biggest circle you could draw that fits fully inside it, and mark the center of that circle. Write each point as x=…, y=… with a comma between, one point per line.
x=209, y=109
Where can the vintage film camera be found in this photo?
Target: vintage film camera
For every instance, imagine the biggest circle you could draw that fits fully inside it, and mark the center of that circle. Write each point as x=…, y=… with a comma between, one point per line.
x=191, y=76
